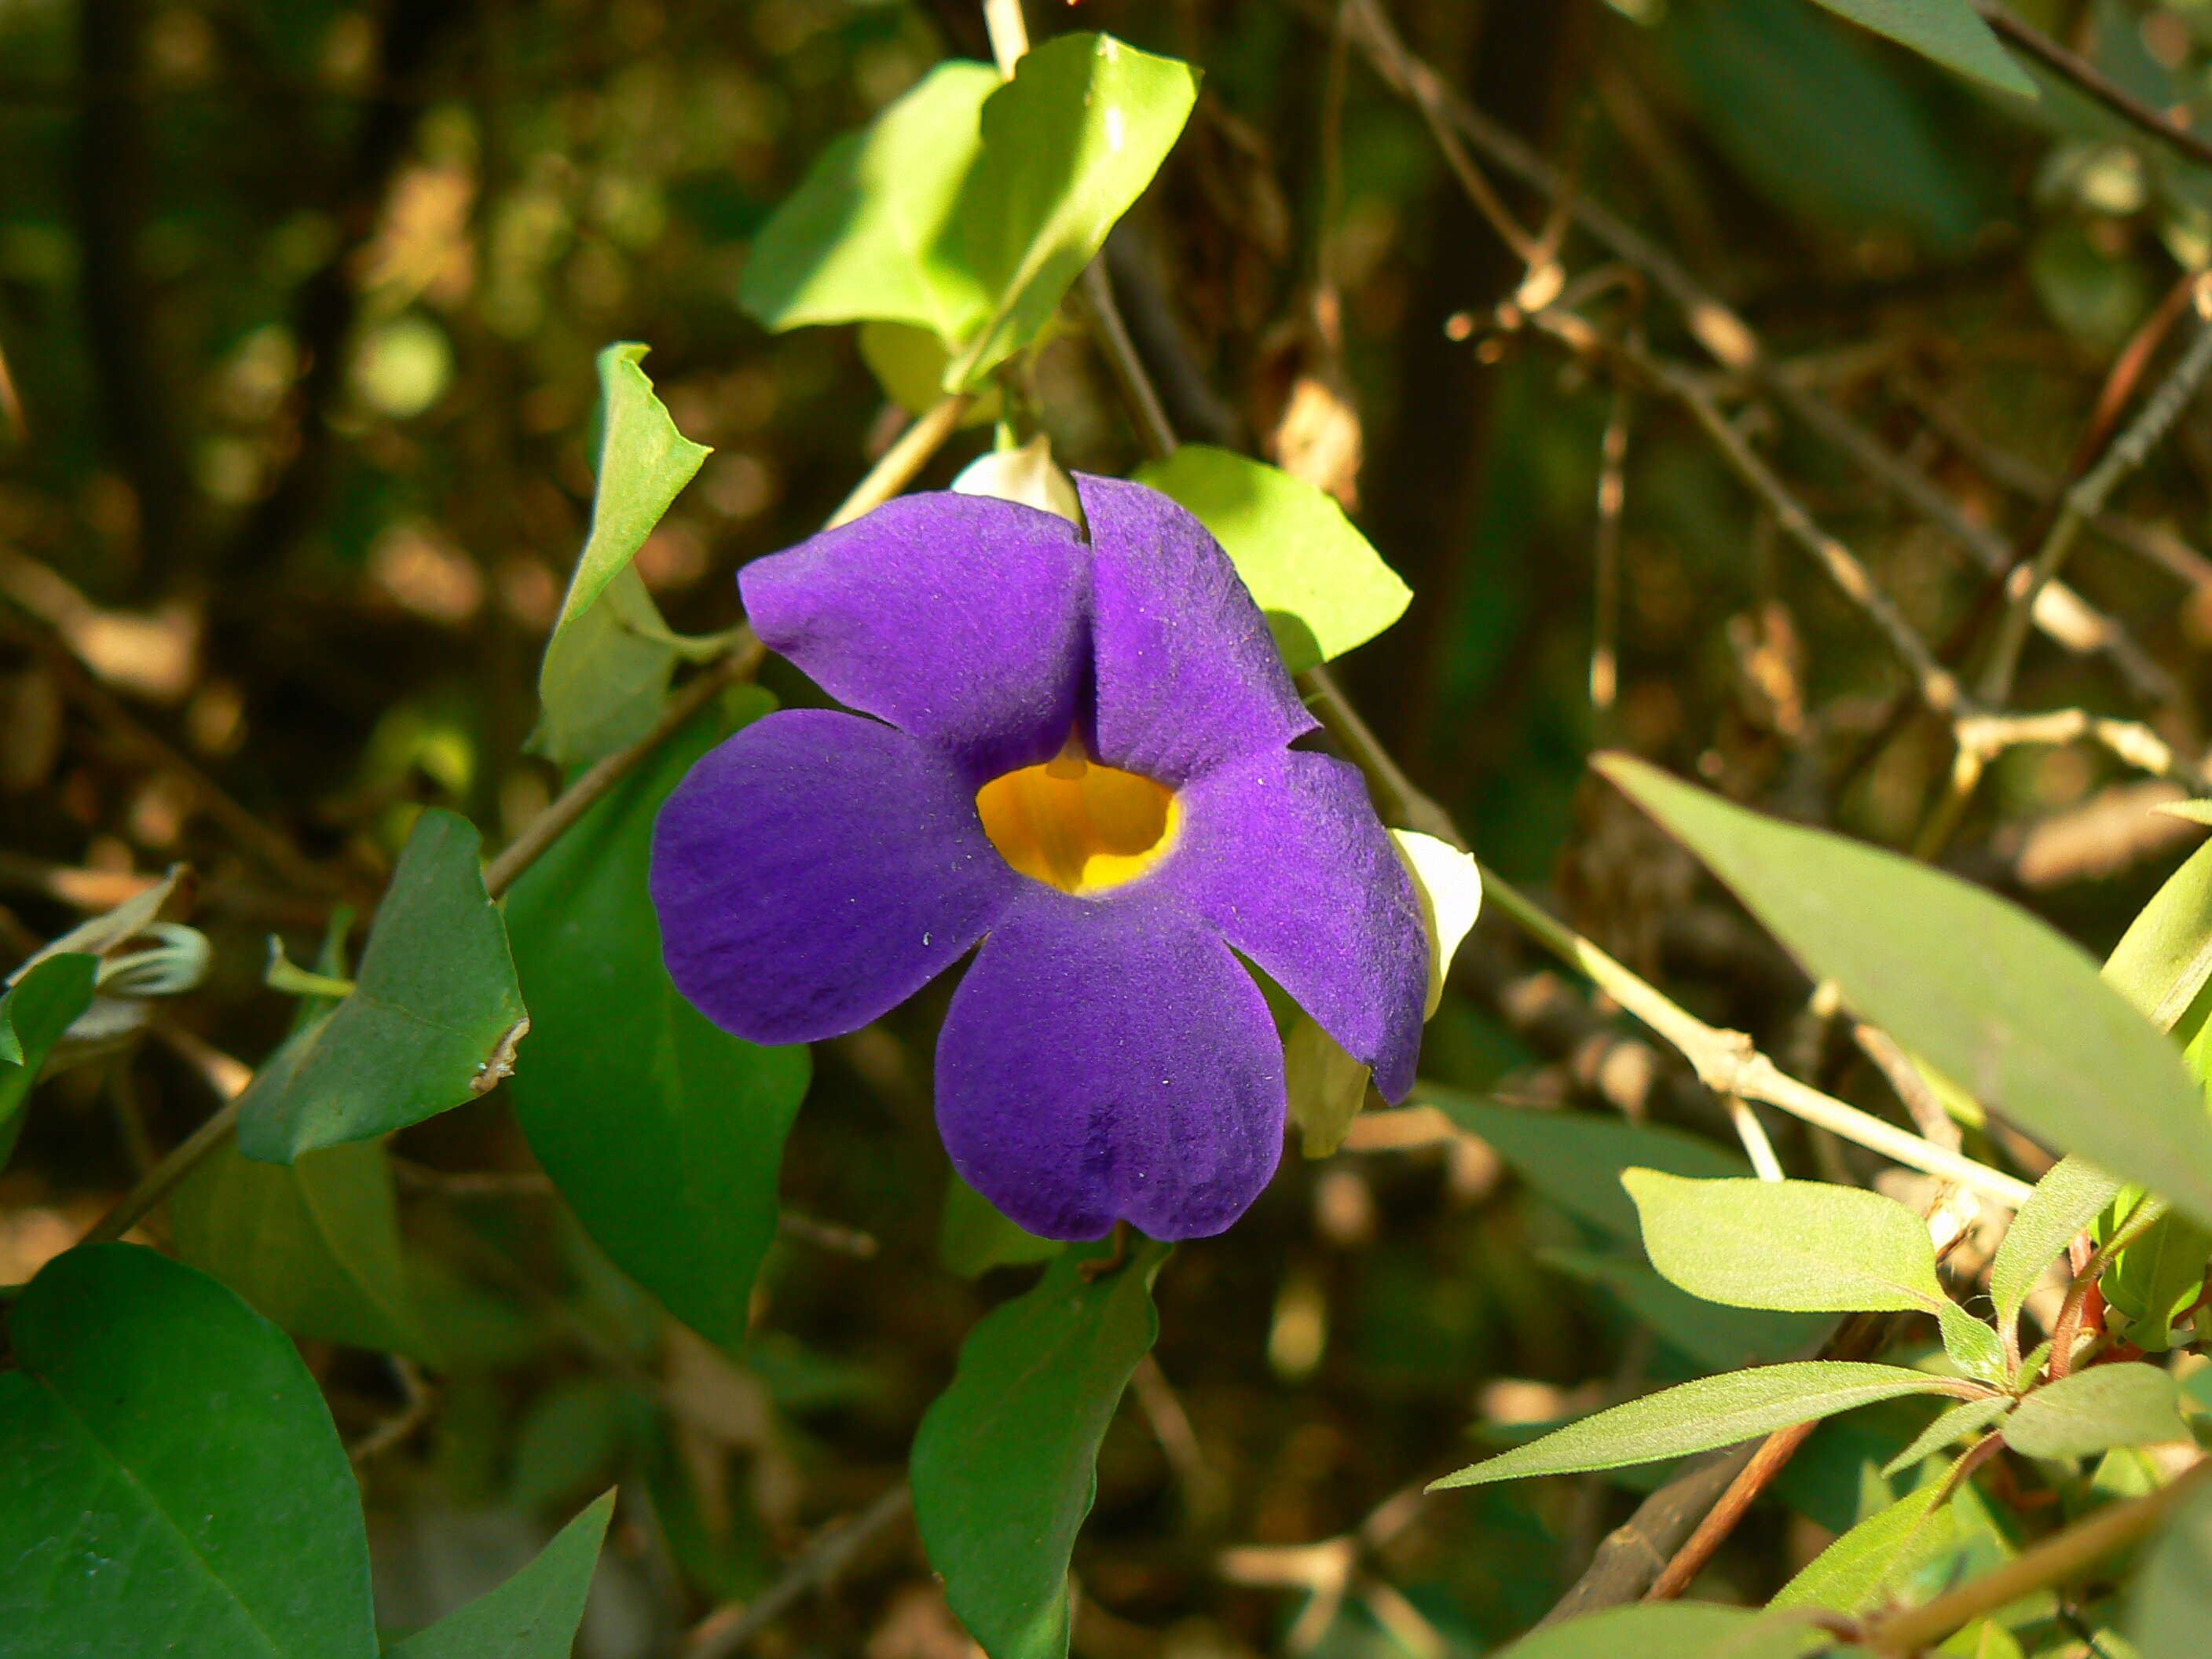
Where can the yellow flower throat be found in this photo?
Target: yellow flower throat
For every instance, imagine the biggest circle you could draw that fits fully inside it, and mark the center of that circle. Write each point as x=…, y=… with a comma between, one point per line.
x=1080, y=826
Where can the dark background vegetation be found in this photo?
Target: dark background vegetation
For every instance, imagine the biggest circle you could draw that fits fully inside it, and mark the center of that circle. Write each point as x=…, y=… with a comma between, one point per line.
x=298, y=301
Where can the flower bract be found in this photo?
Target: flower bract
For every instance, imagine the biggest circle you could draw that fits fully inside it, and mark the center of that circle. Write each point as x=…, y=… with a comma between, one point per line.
x=1073, y=756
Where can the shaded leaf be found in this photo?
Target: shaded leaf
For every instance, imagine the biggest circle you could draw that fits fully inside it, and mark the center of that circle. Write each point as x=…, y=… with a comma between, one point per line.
x=2129, y=1404
x=1321, y=583
x=1948, y=32
x=1863, y=1570
x=535, y=1613
x=1325, y=1083
x=36, y=1009
x=1670, y=1630
x=1701, y=1416
x=2171, y=1606
x=973, y=1236
x=1988, y=993
x=170, y=1480
x=1575, y=1159
x=1968, y=1417
x=2068, y=1199
x=1005, y=1465
x=436, y=1014
x=315, y=1245
x=663, y=1130
x=1799, y=1246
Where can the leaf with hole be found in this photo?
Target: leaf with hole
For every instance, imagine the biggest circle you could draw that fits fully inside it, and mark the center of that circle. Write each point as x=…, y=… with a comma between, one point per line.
x=433, y=1021
x=170, y=1480
x=1701, y=1416
x=1986, y=993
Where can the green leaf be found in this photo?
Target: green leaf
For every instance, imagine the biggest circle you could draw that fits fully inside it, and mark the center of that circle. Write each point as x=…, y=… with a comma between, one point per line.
x=2165, y=959
x=434, y=1022
x=315, y=1245
x=663, y=1130
x=2157, y=1278
x=973, y=1236
x=1575, y=1159
x=1718, y=1338
x=2171, y=1606
x=1968, y=1417
x=2129, y=1404
x=37, y=1008
x=1322, y=584
x=1006, y=1462
x=867, y=234
x=535, y=1613
x=607, y=664
x=1798, y=1246
x=909, y=364
x=1974, y=1348
x=1670, y=1630
x=1700, y=1416
x=1983, y=990
x=1863, y=1570
x=170, y=1480
x=2070, y=1195
x=1948, y=32
x=1069, y=145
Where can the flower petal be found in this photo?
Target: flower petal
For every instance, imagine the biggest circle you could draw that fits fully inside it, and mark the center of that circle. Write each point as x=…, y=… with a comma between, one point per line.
x=961, y=619
x=1283, y=853
x=1111, y=1058
x=816, y=871
x=1187, y=675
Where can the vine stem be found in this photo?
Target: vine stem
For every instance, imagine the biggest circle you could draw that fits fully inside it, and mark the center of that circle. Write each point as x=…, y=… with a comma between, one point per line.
x=891, y=474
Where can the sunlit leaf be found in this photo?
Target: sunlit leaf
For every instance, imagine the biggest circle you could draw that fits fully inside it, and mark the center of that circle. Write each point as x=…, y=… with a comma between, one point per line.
x=2129, y=1404
x=1948, y=32
x=1701, y=1416
x=1863, y=1570
x=1799, y=1246
x=170, y=1480
x=2067, y=1200
x=1321, y=583
x=1670, y=1630
x=1968, y=1417
x=534, y=1614
x=663, y=1130
x=1448, y=886
x=434, y=1020
x=1988, y=993
x=2165, y=959
x=315, y=1245
x=607, y=664
x=2157, y=1278
x=1716, y=1336
x=1006, y=1462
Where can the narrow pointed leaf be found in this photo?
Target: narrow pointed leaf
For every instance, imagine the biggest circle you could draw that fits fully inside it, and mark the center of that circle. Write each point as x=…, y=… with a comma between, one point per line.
x=1968, y=1417
x=434, y=1020
x=1863, y=1569
x=1006, y=1462
x=534, y=1614
x=1671, y=1630
x=2165, y=959
x=1946, y=32
x=1984, y=992
x=2129, y=1404
x=664, y=1132
x=1700, y=1416
x=1799, y=1246
x=170, y=1480
x=2070, y=1195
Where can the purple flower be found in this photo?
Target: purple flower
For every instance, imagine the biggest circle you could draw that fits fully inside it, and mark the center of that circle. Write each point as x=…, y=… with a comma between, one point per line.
x=1080, y=758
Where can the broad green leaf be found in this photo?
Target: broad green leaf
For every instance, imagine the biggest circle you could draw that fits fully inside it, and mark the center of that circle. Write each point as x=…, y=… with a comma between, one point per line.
x=2158, y=1277
x=1986, y=991
x=1069, y=145
x=973, y=1236
x=1671, y=1630
x=170, y=1480
x=434, y=1020
x=1799, y=1246
x=534, y=1614
x=2129, y=1404
x=607, y=664
x=1005, y=1465
x=1700, y=1416
x=1575, y=1159
x=867, y=236
x=2165, y=959
x=2070, y=1196
x=664, y=1132
x=1718, y=1338
x=1948, y=32
x=36, y=1009
x=1968, y=1417
x=314, y=1244
x=2172, y=1606
x=1321, y=583
x=1863, y=1570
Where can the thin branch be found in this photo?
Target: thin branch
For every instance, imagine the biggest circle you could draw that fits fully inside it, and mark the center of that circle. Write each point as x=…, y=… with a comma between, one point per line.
x=1773, y=1453
x=2092, y=82
x=728, y=1630
x=228, y=1078
x=899, y=464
